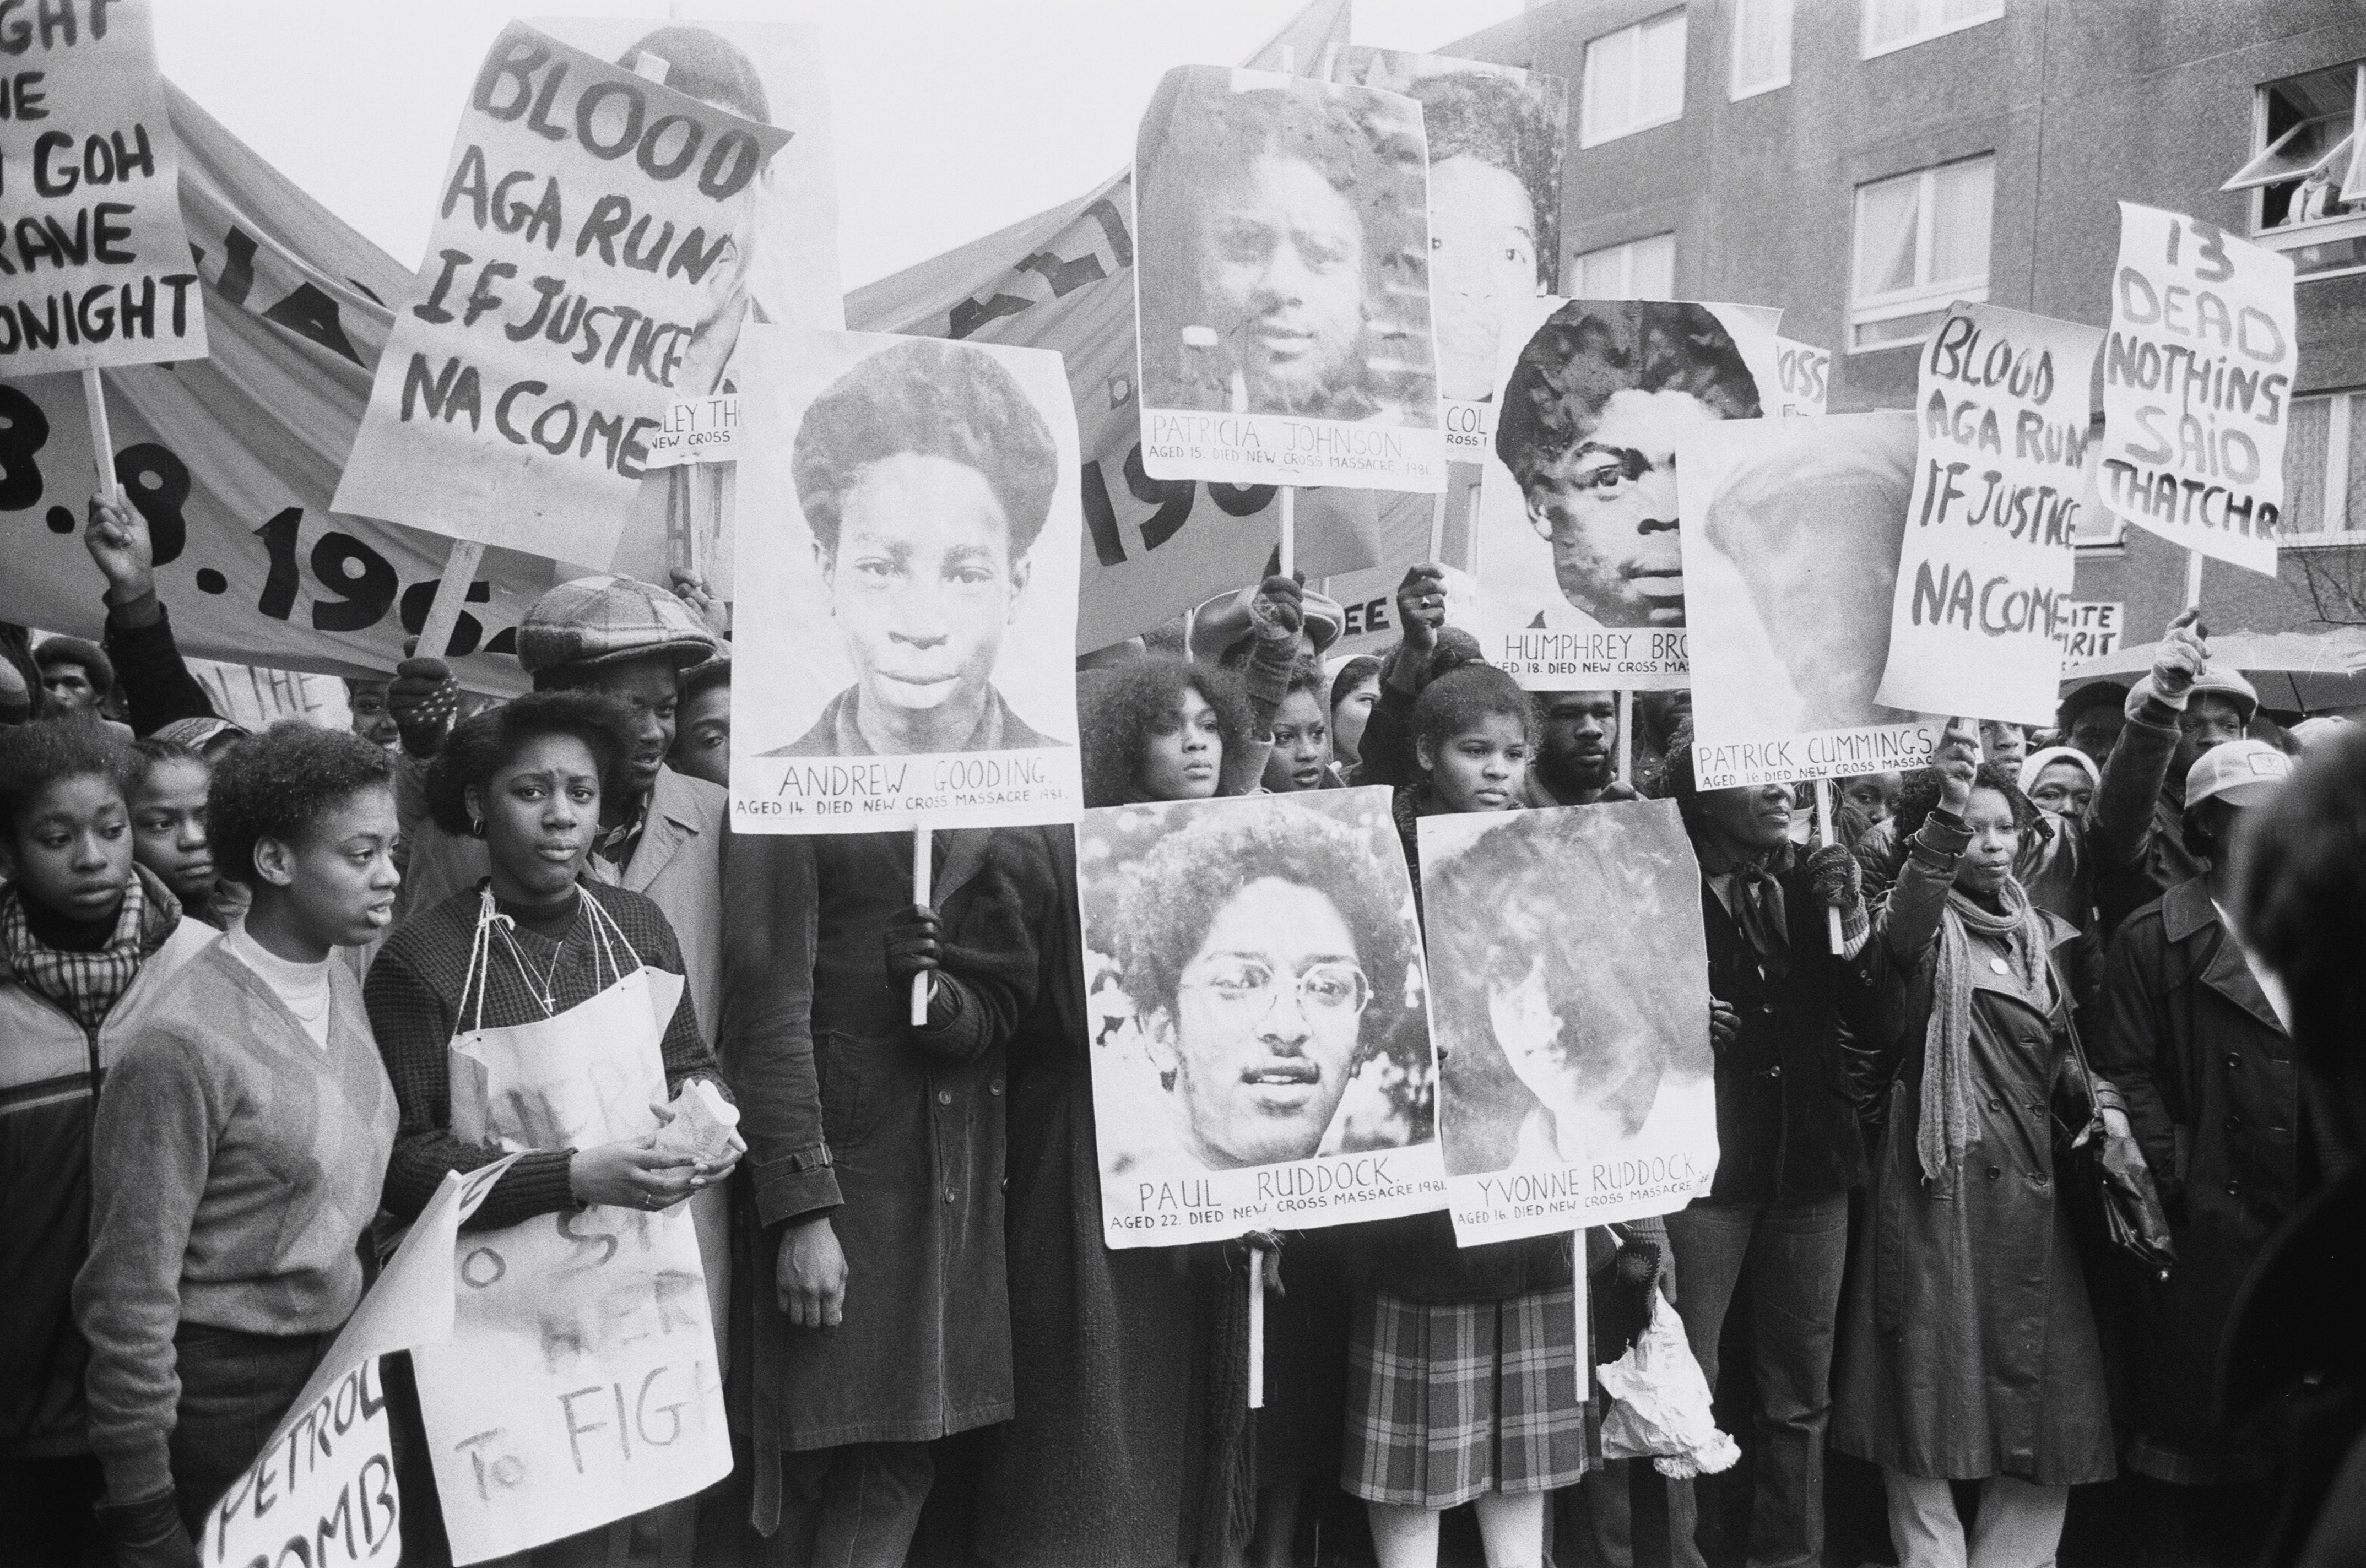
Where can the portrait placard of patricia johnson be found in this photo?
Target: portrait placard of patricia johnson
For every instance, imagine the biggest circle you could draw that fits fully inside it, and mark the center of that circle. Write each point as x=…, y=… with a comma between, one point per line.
x=1570, y=1003
x=1581, y=577
x=904, y=585
x=1281, y=284
x=1260, y=1042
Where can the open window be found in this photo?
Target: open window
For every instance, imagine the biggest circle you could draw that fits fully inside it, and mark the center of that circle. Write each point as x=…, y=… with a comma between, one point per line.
x=2308, y=173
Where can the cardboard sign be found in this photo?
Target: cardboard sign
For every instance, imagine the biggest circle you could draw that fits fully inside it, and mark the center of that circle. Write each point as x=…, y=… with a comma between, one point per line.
x=1999, y=487
x=1260, y=1043
x=94, y=265
x=2089, y=628
x=1791, y=538
x=697, y=430
x=1581, y=575
x=590, y=264
x=1282, y=293
x=1804, y=376
x=581, y=1381
x=906, y=577
x=1571, y=1008
x=322, y=1489
x=2197, y=385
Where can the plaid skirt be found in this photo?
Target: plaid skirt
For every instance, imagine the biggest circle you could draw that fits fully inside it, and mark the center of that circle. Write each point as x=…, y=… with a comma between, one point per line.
x=1448, y=1401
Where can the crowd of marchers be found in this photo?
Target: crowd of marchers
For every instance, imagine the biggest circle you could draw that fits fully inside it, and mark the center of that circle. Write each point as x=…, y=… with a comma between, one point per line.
x=232, y=965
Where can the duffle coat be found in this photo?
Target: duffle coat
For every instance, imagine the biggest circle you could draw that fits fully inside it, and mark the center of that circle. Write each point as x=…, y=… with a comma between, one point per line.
x=1968, y=1347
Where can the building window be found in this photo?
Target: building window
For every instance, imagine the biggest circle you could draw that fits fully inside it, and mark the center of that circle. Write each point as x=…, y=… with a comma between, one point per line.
x=1761, y=47
x=1640, y=269
x=1634, y=80
x=2307, y=173
x=1921, y=242
x=1899, y=24
x=2324, y=466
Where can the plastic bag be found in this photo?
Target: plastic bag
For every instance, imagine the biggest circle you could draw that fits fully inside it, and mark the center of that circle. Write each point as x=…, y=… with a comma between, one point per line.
x=1659, y=1403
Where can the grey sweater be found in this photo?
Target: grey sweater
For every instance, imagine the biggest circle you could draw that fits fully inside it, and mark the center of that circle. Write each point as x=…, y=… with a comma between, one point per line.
x=235, y=1165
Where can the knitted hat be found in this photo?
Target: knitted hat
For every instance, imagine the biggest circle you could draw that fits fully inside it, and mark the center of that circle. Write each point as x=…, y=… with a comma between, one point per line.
x=199, y=733
x=96, y=664
x=1220, y=623
x=600, y=621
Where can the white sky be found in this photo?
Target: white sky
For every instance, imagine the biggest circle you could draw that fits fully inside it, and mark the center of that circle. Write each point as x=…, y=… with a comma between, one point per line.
x=953, y=117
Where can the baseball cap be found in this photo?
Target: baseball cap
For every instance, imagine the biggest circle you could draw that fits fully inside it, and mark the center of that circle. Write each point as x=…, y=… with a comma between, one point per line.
x=2241, y=773
x=602, y=620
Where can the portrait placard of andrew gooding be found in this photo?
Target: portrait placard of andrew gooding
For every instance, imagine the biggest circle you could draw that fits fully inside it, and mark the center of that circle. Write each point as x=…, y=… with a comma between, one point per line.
x=905, y=586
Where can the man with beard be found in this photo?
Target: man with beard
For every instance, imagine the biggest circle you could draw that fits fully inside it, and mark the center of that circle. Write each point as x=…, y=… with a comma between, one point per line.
x=1573, y=765
x=1588, y=431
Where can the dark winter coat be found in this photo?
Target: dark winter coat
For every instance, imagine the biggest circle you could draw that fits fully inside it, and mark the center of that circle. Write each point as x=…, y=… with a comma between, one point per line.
x=2212, y=1092
x=1786, y=1128
x=1968, y=1347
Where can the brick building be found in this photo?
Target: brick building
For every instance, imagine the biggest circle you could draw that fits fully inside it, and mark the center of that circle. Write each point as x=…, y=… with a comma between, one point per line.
x=1861, y=162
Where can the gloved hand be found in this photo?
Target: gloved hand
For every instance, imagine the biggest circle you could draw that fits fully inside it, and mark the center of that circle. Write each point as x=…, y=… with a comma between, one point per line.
x=913, y=944
x=147, y=1533
x=2176, y=662
x=1836, y=879
x=422, y=697
x=1278, y=610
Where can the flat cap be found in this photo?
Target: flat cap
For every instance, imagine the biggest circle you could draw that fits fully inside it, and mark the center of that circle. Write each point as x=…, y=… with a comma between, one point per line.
x=604, y=619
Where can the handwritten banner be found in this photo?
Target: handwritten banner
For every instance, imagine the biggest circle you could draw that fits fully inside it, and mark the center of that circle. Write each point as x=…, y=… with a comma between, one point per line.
x=588, y=266
x=322, y=1490
x=1999, y=486
x=2087, y=627
x=94, y=265
x=2197, y=377
x=1804, y=379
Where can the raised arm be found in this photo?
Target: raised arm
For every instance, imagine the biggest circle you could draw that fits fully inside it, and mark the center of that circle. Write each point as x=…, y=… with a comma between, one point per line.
x=2120, y=818
x=157, y=685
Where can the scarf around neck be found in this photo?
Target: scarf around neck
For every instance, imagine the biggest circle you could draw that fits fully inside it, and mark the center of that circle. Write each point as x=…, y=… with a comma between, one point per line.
x=86, y=985
x=1949, y=1120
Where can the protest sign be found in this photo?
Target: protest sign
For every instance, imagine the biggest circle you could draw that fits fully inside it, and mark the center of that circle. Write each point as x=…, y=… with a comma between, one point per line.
x=1791, y=538
x=1495, y=135
x=1260, y=1045
x=697, y=430
x=2000, y=484
x=2089, y=628
x=1804, y=376
x=94, y=267
x=581, y=1381
x=906, y=576
x=2197, y=377
x=590, y=262
x=1571, y=1012
x=1282, y=293
x=1581, y=580
x=325, y=1481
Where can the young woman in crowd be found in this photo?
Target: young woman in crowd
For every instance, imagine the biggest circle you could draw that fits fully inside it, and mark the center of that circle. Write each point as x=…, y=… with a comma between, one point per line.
x=2060, y=781
x=1970, y=1350
x=240, y=1145
x=1428, y=1431
x=1301, y=759
x=88, y=941
x=1353, y=691
x=168, y=830
x=527, y=779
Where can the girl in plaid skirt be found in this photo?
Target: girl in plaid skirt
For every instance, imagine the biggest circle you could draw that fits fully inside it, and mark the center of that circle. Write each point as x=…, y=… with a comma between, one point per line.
x=1464, y=1382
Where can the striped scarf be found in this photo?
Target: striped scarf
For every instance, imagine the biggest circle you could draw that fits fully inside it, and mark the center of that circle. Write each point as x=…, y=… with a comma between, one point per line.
x=1950, y=1118
x=86, y=985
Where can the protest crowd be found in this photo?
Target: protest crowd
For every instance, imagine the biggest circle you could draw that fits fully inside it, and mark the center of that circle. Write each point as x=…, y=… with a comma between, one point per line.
x=1221, y=1100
